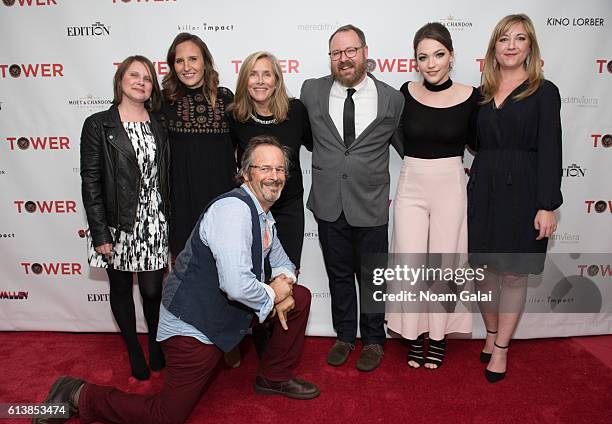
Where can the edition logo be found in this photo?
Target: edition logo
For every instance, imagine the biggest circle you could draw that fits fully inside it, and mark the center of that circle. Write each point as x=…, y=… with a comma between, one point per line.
x=604, y=64
x=599, y=206
x=39, y=143
x=51, y=268
x=94, y=30
x=160, y=67
x=45, y=206
x=288, y=66
x=401, y=65
x=98, y=297
x=594, y=270
x=573, y=171
x=29, y=70
x=606, y=140
x=30, y=3
x=7, y=295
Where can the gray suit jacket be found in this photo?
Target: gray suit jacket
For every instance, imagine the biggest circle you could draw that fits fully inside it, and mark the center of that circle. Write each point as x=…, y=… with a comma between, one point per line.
x=353, y=180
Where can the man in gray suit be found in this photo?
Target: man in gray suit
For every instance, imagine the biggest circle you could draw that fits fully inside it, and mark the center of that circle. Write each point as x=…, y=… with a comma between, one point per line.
x=354, y=118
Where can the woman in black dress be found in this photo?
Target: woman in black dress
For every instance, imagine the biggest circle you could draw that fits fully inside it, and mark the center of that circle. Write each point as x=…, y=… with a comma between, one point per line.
x=124, y=173
x=202, y=156
x=262, y=107
x=515, y=181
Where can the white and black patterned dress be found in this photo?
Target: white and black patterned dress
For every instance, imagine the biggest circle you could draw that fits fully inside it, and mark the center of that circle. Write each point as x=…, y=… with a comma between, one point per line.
x=146, y=248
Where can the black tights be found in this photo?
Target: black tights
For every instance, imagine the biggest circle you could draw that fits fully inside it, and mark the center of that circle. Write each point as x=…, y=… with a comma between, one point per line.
x=122, y=305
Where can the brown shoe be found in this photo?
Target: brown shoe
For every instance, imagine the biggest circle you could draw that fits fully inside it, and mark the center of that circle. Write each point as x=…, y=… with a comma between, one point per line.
x=370, y=357
x=293, y=388
x=63, y=391
x=339, y=353
x=232, y=358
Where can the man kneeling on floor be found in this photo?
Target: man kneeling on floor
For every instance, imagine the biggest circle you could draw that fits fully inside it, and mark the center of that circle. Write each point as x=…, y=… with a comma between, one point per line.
x=209, y=302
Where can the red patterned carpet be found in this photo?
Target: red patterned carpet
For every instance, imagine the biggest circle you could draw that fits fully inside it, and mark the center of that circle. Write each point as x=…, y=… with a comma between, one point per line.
x=549, y=381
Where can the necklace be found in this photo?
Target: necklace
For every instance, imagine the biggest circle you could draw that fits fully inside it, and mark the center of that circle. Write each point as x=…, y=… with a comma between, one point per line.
x=441, y=87
x=263, y=121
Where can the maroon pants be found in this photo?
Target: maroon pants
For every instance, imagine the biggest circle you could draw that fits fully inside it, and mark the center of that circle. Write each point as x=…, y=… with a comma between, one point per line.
x=189, y=365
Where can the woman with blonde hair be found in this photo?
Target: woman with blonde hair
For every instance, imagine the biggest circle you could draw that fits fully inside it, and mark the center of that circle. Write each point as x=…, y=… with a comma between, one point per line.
x=262, y=107
x=515, y=180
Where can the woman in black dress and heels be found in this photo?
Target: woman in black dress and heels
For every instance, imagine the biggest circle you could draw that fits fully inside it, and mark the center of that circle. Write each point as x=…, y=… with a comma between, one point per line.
x=202, y=156
x=515, y=181
x=262, y=107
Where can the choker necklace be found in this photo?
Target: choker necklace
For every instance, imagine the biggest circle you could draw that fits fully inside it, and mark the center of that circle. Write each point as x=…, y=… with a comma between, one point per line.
x=263, y=121
x=435, y=88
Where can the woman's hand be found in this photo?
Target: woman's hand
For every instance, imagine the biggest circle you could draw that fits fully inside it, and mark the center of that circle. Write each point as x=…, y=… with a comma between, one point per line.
x=546, y=223
x=106, y=250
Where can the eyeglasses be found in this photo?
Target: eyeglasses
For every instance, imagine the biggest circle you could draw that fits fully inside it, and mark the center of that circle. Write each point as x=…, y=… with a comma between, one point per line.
x=265, y=169
x=349, y=52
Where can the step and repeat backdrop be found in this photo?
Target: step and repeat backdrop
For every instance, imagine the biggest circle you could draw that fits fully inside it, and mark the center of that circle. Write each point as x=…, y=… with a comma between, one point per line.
x=58, y=58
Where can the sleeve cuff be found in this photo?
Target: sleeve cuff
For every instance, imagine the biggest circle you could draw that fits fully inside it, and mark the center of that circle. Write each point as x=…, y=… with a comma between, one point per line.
x=283, y=270
x=267, y=307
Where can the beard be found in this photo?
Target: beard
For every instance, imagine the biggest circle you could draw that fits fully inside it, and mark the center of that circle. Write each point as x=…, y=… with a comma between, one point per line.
x=267, y=188
x=349, y=80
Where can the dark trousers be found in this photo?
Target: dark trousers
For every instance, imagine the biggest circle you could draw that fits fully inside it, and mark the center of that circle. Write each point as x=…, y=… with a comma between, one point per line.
x=343, y=246
x=189, y=366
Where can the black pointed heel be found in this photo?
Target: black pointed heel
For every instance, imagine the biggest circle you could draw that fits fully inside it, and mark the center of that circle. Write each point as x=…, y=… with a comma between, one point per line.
x=484, y=356
x=492, y=376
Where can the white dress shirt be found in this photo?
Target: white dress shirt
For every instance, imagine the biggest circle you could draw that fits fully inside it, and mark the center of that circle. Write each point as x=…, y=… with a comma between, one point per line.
x=366, y=104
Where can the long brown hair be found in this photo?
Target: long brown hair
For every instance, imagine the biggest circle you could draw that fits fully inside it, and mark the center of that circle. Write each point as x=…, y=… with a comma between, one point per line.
x=154, y=103
x=173, y=87
x=533, y=65
x=243, y=106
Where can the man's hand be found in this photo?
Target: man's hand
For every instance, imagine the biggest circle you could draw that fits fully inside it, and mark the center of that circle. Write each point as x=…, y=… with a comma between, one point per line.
x=282, y=286
x=282, y=308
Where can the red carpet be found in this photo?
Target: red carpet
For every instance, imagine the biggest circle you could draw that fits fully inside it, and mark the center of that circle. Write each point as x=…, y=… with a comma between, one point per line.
x=549, y=381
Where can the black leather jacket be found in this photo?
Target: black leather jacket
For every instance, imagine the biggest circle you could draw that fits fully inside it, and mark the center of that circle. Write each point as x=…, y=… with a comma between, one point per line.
x=110, y=175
